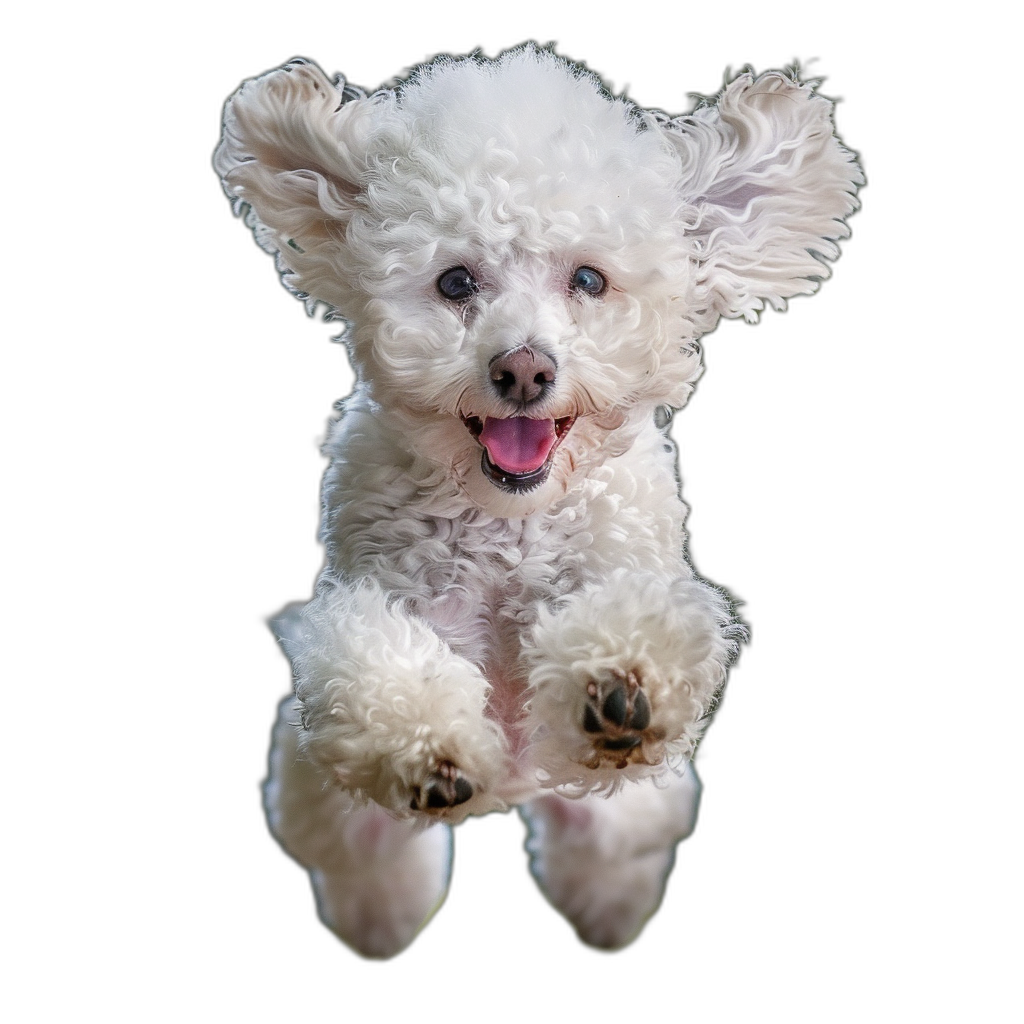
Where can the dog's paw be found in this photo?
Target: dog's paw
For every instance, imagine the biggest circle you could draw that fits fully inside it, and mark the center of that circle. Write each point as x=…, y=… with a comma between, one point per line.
x=617, y=718
x=445, y=787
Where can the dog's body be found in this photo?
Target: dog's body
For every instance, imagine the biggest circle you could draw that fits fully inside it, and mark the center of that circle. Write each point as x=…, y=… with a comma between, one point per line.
x=507, y=616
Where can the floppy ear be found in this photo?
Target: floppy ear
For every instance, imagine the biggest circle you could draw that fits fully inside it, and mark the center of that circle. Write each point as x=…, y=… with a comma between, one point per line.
x=769, y=186
x=291, y=157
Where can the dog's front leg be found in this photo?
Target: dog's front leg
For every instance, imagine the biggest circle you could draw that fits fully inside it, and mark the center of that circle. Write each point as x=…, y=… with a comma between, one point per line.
x=389, y=711
x=623, y=675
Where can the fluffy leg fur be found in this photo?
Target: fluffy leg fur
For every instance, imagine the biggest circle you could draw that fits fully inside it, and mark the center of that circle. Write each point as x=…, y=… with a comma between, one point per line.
x=389, y=711
x=377, y=880
x=603, y=862
x=623, y=675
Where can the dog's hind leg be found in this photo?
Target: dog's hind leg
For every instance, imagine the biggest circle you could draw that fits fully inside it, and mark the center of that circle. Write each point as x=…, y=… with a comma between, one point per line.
x=377, y=880
x=603, y=862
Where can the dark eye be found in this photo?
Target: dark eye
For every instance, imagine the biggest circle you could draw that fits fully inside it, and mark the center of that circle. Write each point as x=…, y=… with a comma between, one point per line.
x=587, y=279
x=457, y=284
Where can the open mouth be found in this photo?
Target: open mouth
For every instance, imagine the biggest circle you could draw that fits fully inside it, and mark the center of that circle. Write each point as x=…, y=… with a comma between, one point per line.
x=517, y=451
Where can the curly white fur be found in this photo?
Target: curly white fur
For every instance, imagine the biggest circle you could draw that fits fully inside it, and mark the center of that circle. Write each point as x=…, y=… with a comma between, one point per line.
x=507, y=608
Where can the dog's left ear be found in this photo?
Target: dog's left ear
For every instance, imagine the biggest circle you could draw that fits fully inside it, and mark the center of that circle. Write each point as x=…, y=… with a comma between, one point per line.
x=292, y=157
x=769, y=187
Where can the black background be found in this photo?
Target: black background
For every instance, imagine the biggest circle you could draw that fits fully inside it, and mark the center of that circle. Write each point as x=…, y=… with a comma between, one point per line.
x=780, y=451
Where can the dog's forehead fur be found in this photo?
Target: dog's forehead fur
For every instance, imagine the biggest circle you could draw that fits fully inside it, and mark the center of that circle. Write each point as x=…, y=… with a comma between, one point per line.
x=553, y=115
x=536, y=92
x=525, y=153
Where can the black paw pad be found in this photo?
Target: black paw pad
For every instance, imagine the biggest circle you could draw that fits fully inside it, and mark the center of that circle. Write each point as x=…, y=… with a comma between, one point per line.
x=448, y=792
x=446, y=787
x=616, y=715
x=641, y=717
x=615, y=706
x=621, y=743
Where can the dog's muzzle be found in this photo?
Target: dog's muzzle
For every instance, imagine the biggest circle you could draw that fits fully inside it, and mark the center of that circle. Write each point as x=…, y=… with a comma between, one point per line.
x=517, y=451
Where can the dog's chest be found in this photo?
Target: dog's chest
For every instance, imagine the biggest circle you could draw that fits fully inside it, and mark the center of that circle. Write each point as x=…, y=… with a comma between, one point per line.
x=496, y=574
x=479, y=580
x=483, y=600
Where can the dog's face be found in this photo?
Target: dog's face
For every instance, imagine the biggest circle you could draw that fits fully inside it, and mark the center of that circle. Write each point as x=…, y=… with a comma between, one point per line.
x=525, y=262
x=522, y=275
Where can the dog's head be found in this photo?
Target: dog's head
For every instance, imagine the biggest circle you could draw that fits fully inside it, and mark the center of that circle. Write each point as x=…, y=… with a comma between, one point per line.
x=527, y=263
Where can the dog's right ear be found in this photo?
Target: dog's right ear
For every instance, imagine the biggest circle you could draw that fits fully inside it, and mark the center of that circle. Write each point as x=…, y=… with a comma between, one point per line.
x=770, y=188
x=292, y=158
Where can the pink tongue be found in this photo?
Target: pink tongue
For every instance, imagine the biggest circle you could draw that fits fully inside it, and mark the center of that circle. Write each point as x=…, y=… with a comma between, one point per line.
x=518, y=444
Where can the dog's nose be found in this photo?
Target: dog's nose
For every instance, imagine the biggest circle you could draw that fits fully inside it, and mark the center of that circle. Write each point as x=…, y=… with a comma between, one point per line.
x=522, y=375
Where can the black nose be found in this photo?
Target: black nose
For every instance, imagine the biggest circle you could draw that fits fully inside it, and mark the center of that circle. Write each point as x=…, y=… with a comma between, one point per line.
x=522, y=375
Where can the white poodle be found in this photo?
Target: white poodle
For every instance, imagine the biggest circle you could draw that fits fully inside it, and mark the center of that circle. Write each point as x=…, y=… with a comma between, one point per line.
x=507, y=616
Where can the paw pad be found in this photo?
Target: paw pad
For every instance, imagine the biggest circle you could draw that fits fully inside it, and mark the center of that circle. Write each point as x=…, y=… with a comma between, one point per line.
x=617, y=715
x=445, y=787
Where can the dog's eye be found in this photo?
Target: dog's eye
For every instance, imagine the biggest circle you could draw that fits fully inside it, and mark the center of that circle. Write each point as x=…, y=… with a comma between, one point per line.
x=457, y=284
x=587, y=279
